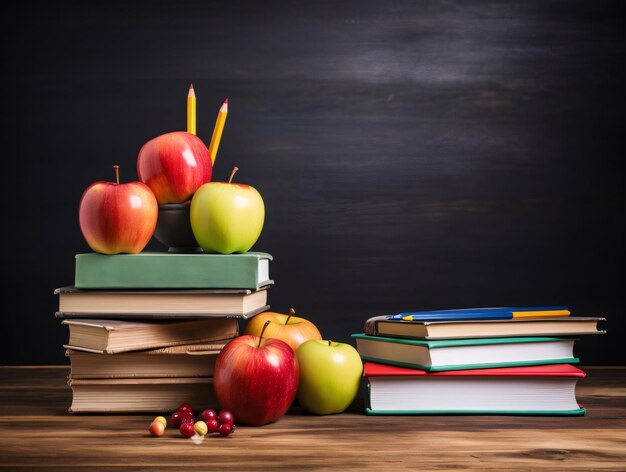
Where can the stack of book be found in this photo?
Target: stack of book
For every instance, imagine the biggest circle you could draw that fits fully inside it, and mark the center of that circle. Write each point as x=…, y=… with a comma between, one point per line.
x=511, y=360
x=145, y=329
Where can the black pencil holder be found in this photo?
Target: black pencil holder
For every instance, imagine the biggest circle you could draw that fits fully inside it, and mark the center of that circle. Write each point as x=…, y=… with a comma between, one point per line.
x=173, y=228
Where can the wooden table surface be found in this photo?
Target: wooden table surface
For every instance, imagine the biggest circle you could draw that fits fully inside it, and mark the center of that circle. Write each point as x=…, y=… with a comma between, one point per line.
x=37, y=433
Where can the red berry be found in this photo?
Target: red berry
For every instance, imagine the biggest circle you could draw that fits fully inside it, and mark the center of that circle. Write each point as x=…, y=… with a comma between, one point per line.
x=212, y=425
x=156, y=428
x=185, y=407
x=225, y=417
x=187, y=429
x=187, y=416
x=177, y=418
x=206, y=415
x=226, y=429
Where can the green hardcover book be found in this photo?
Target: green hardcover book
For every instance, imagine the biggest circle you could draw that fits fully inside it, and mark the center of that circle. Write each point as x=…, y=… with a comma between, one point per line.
x=458, y=354
x=159, y=270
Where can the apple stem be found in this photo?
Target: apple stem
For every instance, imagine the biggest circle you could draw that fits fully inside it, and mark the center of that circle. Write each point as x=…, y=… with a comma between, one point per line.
x=117, y=173
x=232, y=174
x=329, y=341
x=291, y=313
x=263, y=330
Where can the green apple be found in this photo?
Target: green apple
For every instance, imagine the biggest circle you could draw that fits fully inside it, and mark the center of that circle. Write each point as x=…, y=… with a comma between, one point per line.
x=226, y=217
x=330, y=376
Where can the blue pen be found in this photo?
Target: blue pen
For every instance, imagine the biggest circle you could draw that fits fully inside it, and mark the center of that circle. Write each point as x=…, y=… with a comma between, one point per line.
x=488, y=313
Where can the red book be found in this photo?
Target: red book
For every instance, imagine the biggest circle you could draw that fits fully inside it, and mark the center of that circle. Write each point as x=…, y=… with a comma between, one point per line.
x=372, y=369
x=528, y=390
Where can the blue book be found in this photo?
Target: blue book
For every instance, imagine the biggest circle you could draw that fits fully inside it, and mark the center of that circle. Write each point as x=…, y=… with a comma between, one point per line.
x=488, y=313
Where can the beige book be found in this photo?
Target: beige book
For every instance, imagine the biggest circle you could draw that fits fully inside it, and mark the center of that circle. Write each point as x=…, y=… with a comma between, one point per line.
x=565, y=326
x=113, y=336
x=158, y=396
x=116, y=304
x=194, y=360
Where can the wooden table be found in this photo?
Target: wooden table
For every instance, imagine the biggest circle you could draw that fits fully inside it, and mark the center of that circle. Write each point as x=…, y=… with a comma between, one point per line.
x=37, y=433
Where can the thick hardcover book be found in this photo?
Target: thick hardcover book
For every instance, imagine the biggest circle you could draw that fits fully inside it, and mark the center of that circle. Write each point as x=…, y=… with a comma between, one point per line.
x=157, y=270
x=459, y=354
x=192, y=360
x=565, y=326
x=192, y=303
x=141, y=395
x=113, y=336
x=535, y=390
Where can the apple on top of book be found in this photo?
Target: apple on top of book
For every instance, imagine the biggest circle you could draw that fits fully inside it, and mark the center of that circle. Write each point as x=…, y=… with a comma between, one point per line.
x=174, y=165
x=117, y=218
x=226, y=217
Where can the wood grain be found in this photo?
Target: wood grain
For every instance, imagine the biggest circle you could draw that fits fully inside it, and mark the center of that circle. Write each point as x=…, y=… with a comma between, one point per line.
x=37, y=433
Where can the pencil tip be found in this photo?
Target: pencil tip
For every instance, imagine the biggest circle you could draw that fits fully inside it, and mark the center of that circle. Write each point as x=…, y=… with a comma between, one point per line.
x=226, y=101
x=190, y=86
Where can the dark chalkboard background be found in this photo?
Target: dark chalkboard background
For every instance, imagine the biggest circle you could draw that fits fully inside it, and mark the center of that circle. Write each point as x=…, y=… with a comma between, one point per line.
x=411, y=155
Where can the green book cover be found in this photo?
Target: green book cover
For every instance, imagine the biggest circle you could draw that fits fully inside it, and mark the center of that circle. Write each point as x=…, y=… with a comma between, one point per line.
x=422, y=356
x=155, y=270
x=439, y=343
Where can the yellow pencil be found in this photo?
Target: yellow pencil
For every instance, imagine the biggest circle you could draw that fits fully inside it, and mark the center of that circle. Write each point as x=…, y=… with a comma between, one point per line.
x=540, y=314
x=191, y=111
x=217, y=131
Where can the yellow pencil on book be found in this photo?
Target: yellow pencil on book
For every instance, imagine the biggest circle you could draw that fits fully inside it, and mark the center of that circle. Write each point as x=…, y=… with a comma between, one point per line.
x=217, y=130
x=191, y=110
x=496, y=313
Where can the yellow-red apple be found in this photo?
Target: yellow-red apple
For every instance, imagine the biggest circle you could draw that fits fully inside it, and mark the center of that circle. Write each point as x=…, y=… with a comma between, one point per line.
x=291, y=329
x=117, y=218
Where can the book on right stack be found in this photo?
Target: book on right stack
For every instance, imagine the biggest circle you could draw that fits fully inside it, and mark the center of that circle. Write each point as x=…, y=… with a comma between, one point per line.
x=495, y=360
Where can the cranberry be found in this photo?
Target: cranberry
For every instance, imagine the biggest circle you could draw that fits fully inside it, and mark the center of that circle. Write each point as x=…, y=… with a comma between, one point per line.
x=187, y=429
x=225, y=417
x=208, y=414
x=212, y=425
x=177, y=418
x=156, y=428
x=187, y=416
x=225, y=429
x=185, y=407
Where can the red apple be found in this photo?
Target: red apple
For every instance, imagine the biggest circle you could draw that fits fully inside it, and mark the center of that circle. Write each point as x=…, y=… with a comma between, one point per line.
x=256, y=378
x=117, y=218
x=174, y=165
x=291, y=329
